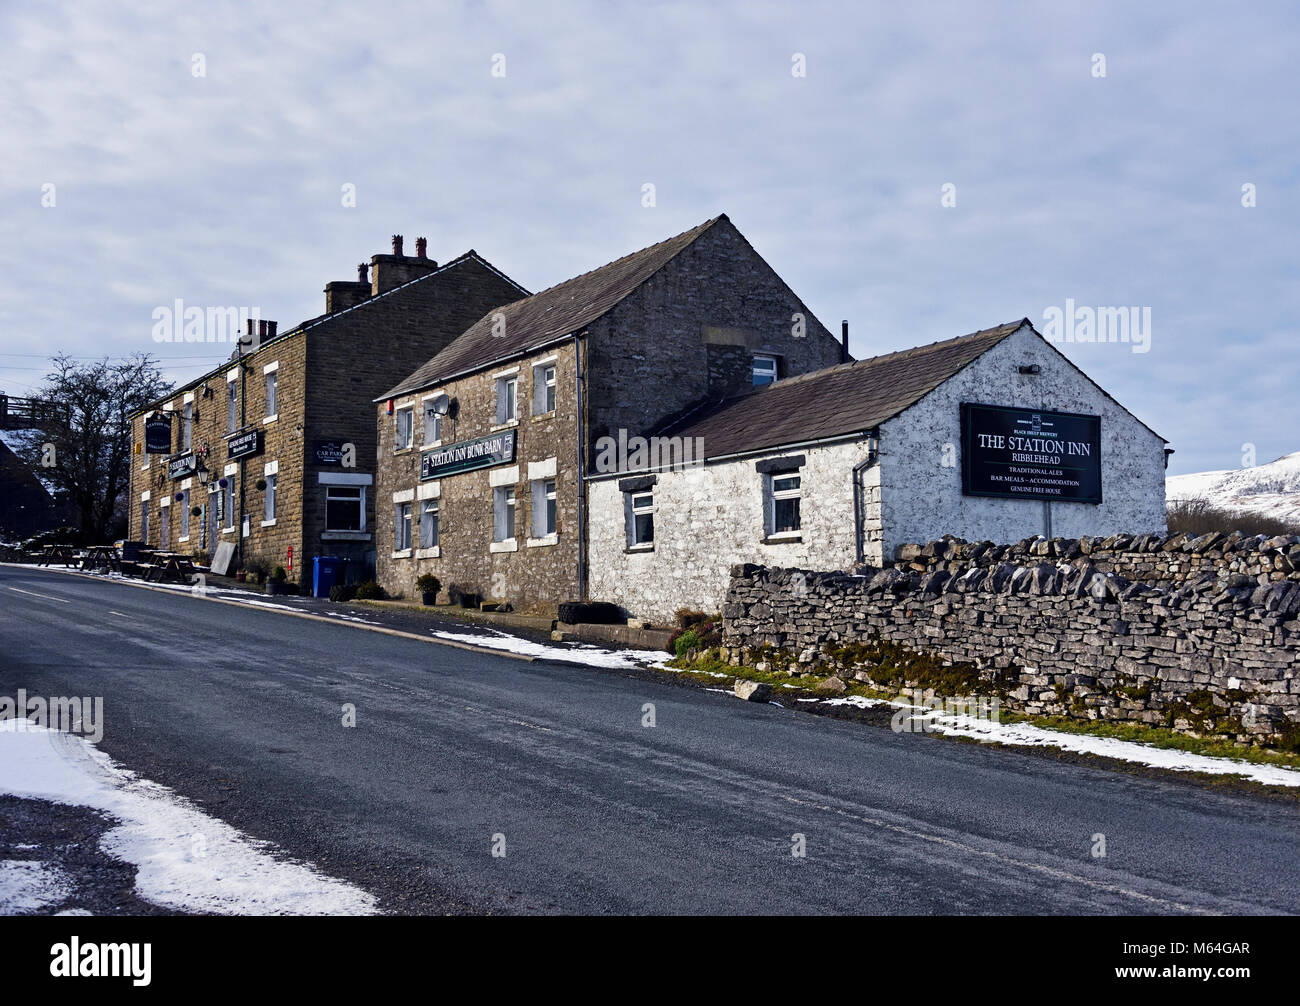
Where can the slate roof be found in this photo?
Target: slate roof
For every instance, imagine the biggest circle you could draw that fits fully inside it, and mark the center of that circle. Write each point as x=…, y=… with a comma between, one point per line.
x=547, y=317
x=845, y=399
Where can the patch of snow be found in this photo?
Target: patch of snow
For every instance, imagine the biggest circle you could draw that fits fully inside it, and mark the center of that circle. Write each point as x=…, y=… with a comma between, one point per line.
x=186, y=859
x=582, y=653
x=27, y=885
x=1269, y=490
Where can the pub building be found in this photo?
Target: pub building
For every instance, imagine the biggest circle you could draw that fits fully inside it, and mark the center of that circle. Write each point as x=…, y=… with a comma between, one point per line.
x=274, y=450
x=628, y=435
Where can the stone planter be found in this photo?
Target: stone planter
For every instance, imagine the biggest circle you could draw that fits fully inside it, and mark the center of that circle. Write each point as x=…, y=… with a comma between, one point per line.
x=429, y=598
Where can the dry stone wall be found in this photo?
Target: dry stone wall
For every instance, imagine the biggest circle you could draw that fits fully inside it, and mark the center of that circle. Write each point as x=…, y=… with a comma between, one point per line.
x=1215, y=655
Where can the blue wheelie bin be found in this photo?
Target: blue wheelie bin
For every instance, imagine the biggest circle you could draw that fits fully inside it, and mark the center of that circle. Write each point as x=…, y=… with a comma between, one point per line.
x=324, y=574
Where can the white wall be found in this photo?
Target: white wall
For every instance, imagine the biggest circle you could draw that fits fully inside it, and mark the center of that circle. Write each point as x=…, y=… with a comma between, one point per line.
x=921, y=497
x=710, y=517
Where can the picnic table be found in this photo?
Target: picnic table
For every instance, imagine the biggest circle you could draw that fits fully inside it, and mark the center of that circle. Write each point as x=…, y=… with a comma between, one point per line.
x=106, y=556
x=58, y=553
x=174, y=566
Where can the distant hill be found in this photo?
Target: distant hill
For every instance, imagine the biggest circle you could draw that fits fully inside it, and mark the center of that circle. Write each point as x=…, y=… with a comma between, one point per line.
x=1271, y=490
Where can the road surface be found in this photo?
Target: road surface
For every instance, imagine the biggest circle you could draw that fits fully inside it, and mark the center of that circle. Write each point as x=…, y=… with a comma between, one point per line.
x=241, y=711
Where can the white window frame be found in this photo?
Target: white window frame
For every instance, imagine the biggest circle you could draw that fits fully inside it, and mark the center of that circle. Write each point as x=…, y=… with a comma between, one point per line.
x=402, y=513
x=756, y=370
x=271, y=374
x=776, y=495
x=431, y=506
x=507, y=399
x=331, y=487
x=398, y=444
x=232, y=402
x=272, y=476
x=504, y=507
x=187, y=427
x=185, y=515
x=637, y=509
x=230, y=473
x=431, y=417
x=544, y=388
x=545, y=515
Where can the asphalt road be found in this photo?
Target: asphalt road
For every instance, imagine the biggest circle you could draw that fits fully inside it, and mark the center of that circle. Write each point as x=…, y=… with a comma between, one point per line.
x=240, y=710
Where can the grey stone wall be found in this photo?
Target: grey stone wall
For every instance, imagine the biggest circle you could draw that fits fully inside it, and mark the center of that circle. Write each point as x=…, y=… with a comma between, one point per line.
x=1214, y=656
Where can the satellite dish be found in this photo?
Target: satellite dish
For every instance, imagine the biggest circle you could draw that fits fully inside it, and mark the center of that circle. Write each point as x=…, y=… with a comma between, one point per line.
x=440, y=405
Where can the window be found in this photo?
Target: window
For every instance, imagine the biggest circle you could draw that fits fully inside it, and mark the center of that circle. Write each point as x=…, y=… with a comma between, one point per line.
x=641, y=523
x=432, y=424
x=543, y=508
x=272, y=402
x=185, y=514
x=785, y=503
x=429, y=524
x=230, y=502
x=271, y=481
x=503, y=513
x=403, y=428
x=543, y=389
x=507, y=403
x=144, y=521
x=764, y=369
x=345, y=508
x=187, y=430
x=164, y=527
x=232, y=406
x=401, y=526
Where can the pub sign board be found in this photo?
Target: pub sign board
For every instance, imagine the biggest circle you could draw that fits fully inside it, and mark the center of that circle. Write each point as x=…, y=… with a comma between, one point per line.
x=158, y=433
x=244, y=444
x=182, y=466
x=1030, y=454
x=468, y=455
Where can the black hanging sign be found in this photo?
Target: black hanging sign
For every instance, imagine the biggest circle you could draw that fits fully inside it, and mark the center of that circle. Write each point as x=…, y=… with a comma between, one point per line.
x=158, y=433
x=1030, y=454
x=244, y=444
x=182, y=466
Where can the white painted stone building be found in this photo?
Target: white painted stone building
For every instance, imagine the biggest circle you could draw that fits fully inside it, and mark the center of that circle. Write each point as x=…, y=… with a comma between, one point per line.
x=845, y=464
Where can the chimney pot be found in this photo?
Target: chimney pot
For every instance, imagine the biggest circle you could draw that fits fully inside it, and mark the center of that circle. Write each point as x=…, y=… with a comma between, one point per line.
x=397, y=244
x=844, y=342
x=363, y=272
x=250, y=326
x=261, y=328
x=271, y=327
x=421, y=247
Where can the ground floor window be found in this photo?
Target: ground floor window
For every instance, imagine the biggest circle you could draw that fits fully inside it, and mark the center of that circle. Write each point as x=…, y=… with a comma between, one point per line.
x=786, y=493
x=543, y=508
x=401, y=526
x=503, y=513
x=144, y=522
x=164, y=527
x=185, y=513
x=641, y=519
x=230, y=502
x=429, y=524
x=345, y=508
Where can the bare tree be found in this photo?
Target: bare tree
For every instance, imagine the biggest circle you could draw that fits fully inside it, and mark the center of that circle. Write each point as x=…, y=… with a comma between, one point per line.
x=86, y=451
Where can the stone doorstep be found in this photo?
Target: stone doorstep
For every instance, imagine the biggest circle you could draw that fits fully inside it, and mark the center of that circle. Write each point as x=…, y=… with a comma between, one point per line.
x=591, y=632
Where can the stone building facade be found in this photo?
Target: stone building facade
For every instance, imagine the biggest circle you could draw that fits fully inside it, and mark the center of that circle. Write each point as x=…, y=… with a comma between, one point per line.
x=626, y=348
x=283, y=410
x=864, y=457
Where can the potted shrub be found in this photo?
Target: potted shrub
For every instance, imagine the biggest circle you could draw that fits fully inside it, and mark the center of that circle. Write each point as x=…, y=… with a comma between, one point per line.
x=275, y=584
x=428, y=586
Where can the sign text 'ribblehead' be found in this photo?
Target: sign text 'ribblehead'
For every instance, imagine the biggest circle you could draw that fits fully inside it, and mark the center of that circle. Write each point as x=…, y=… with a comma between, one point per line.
x=1030, y=454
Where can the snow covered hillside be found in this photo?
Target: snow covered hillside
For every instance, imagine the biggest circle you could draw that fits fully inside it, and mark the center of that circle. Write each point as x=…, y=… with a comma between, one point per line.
x=1271, y=490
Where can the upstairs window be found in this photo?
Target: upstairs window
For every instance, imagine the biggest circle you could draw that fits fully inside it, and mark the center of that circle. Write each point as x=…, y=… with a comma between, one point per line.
x=232, y=406
x=187, y=428
x=543, y=389
x=785, y=495
x=765, y=369
x=403, y=428
x=432, y=424
x=272, y=401
x=507, y=399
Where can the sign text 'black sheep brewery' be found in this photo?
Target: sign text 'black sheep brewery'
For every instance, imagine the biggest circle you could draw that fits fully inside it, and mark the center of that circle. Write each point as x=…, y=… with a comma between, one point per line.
x=158, y=434
x=468, y=455
x=1030, y=454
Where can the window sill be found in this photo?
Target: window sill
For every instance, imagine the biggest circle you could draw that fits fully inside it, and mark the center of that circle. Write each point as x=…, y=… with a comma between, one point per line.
x=403, y=450
x=183, y=538
x=428, y=553
x=270, y=419
x=509, y=424
x=785, y=538
x=550, y=539
x=509, y=545
x=403, y=553
x=642, y=547
x=345, y=536
x=268, y=523
x=431, y=445
x=227, y=530
x=544, y=415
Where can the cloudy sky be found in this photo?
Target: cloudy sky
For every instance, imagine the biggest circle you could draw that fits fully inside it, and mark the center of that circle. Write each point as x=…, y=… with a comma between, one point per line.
x=201, y=152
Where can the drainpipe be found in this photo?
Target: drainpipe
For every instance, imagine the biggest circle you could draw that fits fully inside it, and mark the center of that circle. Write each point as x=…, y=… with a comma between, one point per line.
x=582, y=470
x=873, y=455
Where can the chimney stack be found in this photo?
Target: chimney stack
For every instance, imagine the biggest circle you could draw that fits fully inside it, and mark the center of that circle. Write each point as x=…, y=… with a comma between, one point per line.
x=261, y=330
x=271, y=328
x=397, y=245
x=844, y=342
x=391, y=271
x=421, y=247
